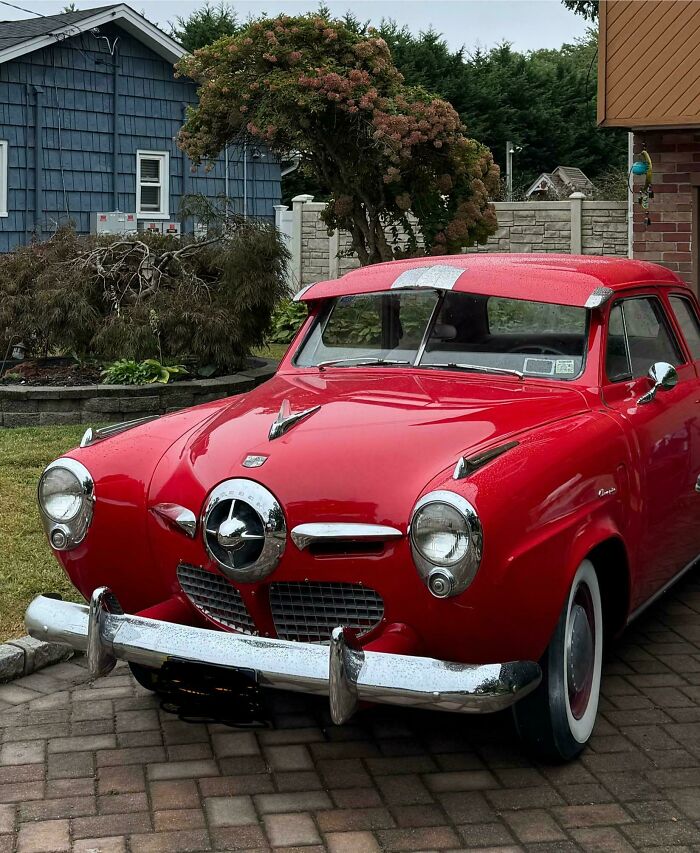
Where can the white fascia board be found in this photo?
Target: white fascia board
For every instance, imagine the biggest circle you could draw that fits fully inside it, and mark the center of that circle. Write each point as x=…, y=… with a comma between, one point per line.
x=122, y=15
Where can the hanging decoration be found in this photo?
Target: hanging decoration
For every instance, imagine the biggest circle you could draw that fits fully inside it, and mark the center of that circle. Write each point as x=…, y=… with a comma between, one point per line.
x=643, y=166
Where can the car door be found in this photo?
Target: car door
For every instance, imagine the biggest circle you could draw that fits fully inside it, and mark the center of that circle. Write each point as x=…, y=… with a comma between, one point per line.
x=662, y=439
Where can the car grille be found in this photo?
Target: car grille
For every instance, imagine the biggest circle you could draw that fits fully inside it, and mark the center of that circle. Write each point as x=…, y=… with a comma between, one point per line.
x=215, y=597
x=308, y=612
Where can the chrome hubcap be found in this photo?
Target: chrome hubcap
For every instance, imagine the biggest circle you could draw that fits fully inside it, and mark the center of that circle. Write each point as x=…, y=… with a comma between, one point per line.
x=580, y=647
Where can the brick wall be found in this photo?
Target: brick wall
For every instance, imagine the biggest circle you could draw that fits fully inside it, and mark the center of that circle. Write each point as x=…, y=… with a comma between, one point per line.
x=577, y=226
x=675, y=156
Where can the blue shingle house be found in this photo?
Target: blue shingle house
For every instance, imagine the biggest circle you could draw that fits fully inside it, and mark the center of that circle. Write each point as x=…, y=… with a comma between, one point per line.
x=89, y=108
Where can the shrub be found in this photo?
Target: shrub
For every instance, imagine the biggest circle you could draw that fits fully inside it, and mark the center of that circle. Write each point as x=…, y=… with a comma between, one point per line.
x=286, y=321
x=144, y=295
x=126, y=371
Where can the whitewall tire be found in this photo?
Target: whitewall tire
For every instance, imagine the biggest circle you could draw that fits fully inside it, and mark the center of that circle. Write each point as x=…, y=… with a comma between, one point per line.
x=556, y=720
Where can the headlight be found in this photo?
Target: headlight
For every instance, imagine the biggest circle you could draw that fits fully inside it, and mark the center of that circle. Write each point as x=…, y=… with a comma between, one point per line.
x=66, y=498
x=441, y=534
x=446, y=541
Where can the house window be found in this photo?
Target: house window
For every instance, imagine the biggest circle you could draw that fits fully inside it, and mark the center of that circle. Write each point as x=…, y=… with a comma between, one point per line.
x=3, y=178
x=152, y=184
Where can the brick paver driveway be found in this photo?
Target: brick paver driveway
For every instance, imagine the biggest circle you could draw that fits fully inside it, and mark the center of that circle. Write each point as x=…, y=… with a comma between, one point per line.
x=100, y=767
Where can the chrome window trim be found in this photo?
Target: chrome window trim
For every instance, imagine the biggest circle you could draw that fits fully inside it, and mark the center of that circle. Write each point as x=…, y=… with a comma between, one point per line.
x=599, y=297
x=429, y=328
x=75, y=529
x=463, y=572
x=298, y=296
x=304, y=535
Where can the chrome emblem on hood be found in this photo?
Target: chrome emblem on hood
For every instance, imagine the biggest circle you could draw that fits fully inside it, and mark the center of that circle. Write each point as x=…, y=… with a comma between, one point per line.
x=253, y=460
x=286, y=419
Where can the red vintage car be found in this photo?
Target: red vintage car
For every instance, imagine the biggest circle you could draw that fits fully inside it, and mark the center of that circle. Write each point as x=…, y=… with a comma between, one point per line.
x=467, y=472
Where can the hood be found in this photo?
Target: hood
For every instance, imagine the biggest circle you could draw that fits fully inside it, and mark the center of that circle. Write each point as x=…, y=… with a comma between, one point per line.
x=379, y=437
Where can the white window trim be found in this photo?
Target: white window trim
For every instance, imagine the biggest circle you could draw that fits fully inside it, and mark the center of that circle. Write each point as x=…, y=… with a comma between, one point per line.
x=4, y=172
x=165, y=185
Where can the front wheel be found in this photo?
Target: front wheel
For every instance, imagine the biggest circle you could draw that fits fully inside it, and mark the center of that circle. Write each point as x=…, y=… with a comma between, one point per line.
x=556, y=721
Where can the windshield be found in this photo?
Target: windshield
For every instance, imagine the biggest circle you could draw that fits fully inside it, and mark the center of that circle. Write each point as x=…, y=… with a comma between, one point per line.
x=448, y=330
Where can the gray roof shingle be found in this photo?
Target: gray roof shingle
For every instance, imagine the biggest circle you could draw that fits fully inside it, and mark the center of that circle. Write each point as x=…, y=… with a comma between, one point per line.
x=16, y=32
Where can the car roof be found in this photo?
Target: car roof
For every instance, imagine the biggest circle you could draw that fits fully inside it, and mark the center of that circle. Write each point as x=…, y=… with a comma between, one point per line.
x=579, y=280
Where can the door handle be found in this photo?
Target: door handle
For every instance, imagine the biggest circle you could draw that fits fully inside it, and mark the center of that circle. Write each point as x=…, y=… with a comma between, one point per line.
x=697, y=484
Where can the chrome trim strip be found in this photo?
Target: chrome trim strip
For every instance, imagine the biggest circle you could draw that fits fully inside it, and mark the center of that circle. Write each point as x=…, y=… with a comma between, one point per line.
x=286, y=419
x=304, y=535
x=383, y=677
x=299, y=295
x=599, y=297
x=436, y=277
x=664, y=589
x=469, y=464
x=92, y=435
x=429, y=329
x=184, y=518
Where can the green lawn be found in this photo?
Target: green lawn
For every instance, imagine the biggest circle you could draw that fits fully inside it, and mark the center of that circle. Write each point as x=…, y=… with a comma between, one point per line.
x=275, y=351
x=27, y=566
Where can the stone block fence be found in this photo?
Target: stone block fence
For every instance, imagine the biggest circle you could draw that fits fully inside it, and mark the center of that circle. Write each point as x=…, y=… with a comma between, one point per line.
x=573, y=226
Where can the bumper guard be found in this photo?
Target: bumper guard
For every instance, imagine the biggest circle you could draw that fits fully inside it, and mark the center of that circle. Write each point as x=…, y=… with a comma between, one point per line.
x=346, y=673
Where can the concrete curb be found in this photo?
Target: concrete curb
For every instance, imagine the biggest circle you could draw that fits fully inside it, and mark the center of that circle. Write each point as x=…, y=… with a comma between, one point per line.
x=27, y=655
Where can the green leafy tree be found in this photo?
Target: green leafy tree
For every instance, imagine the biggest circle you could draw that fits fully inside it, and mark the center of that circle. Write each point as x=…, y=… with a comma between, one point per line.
x=545, y=100
x=204, y=26
x=388, y=155
x=587, y=8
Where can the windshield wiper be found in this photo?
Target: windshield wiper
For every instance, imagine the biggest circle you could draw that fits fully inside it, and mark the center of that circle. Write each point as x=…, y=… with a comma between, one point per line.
x=360, y=361
x=476, y=368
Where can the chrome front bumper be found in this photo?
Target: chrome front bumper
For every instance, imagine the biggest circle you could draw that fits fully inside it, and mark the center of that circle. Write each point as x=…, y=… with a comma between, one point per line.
x=345, y=673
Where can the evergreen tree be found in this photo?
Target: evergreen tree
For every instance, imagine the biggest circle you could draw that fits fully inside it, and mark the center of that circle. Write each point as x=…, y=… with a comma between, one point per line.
x=205, y=26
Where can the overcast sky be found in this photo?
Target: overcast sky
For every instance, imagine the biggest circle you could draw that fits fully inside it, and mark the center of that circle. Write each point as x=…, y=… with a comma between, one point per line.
x=527, y=24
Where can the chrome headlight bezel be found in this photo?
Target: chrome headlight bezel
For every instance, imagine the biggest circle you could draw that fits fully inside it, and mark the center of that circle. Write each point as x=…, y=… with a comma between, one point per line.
x=272, y=523
x=64, y=534
x=455, y=576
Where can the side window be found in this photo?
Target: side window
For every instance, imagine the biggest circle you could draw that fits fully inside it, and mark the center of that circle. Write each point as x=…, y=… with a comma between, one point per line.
x=152, y=184
x=688, y=321
x=617, y=364
x=638, y=336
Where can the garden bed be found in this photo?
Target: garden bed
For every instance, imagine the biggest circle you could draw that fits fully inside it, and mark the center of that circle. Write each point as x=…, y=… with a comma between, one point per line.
x=44, y=405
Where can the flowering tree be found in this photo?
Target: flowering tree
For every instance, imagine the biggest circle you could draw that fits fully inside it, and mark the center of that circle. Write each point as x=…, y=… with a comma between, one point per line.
x=402, y=176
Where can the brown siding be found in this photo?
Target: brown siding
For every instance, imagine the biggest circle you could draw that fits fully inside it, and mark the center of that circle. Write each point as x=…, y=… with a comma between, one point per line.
x=649, y=63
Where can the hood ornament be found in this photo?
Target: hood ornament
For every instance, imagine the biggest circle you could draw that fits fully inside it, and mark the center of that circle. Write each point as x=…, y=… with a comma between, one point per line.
x=286, y=419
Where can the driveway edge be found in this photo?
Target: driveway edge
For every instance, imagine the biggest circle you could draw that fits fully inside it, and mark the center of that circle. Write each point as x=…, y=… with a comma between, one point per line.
x=27, y=655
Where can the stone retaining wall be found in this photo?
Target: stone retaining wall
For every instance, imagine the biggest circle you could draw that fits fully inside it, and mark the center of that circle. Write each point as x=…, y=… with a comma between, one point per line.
x=27, y=405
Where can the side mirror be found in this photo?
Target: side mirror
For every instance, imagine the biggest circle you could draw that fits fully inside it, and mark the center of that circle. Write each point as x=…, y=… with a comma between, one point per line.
x=664, y=377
